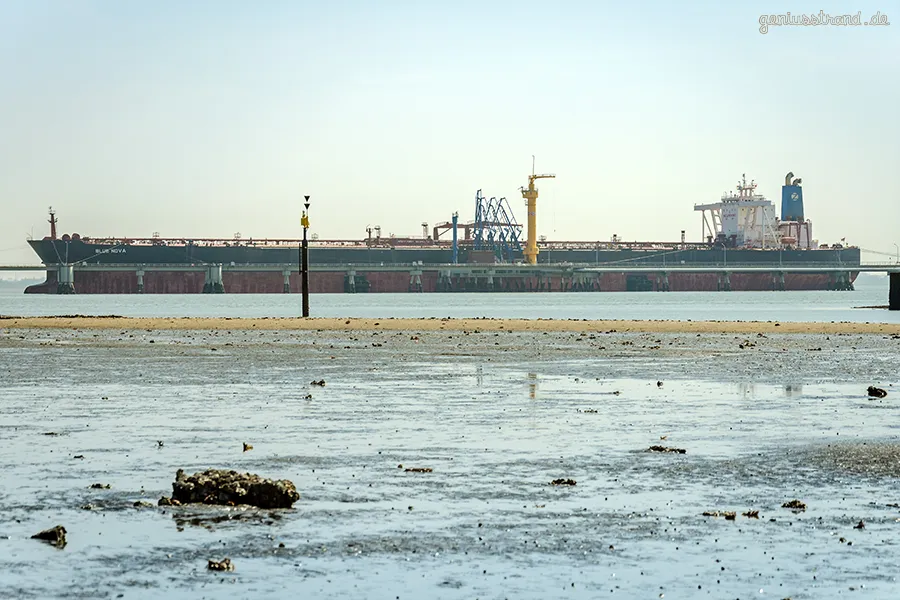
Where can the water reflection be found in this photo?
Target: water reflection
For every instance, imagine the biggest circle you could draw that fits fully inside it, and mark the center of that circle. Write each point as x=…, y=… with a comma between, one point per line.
x=532, y=385
x=747, y=390
x=215, y=515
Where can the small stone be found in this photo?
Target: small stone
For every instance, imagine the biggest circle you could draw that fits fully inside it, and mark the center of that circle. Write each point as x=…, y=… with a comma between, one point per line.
x=876, y=392
x=55, y=535
x=666, y=449
x=222, y=565
x=794, y=505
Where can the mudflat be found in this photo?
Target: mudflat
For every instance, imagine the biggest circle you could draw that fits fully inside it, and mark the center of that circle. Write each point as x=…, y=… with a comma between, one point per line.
x=435, y=324
x=467, y=462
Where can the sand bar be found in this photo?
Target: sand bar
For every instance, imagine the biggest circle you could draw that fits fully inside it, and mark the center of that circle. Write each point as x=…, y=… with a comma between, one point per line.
x=434, y=324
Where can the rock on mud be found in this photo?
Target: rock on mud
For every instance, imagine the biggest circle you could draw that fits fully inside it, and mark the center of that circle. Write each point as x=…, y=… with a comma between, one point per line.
x=220, y=565
x=563, y=482
x=794, y=505
x=55, y=535
x=219, y=486
x=876, y=392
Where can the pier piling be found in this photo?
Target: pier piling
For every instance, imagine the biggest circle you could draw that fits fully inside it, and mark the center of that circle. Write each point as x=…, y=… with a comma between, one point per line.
x=894, y=293
x=778, y=281
x=65, y=277
x=213, y=284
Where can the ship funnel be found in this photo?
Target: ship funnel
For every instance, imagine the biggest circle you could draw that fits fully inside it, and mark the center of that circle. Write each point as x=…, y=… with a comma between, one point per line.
x=792, y=199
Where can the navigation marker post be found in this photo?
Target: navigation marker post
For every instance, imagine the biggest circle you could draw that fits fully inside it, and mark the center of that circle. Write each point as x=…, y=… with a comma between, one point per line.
x=304, y=260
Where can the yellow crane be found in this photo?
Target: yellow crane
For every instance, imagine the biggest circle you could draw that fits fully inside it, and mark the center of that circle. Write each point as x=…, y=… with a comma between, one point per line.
x=530, y=194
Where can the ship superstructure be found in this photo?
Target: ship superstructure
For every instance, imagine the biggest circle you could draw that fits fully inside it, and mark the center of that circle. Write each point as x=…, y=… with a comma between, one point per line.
x=747, y=219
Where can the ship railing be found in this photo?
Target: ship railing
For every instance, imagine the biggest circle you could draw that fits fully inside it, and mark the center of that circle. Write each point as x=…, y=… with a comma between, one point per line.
x=773, y=265
x=386, y=243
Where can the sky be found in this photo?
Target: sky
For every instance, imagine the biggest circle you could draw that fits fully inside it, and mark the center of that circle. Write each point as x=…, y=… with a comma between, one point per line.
x=208, y=118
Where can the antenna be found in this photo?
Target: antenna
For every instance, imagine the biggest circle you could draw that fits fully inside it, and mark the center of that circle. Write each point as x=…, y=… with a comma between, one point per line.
x=532, y=164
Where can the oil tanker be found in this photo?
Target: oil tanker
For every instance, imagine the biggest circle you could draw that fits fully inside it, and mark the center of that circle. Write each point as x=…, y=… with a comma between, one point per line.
x=484, y=254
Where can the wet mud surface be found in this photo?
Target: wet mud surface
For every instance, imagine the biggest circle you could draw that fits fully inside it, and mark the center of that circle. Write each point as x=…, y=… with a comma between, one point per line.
x=424, y=464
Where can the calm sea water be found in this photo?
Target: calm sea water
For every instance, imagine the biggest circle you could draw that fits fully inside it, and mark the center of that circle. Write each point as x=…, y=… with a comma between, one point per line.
x=729, y=306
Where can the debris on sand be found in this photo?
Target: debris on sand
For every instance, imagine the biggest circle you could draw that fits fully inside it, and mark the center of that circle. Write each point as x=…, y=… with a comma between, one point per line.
x=876, y=392
x=417, y=470
x=100, y=486
x=220, y=565
x=563, y=482
x=247, y=447
x=731, y=515
x=666, y=449
x=859, y=525
x=220, y=486
x=55, y=535
x=794, y=505
x=320, y=382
